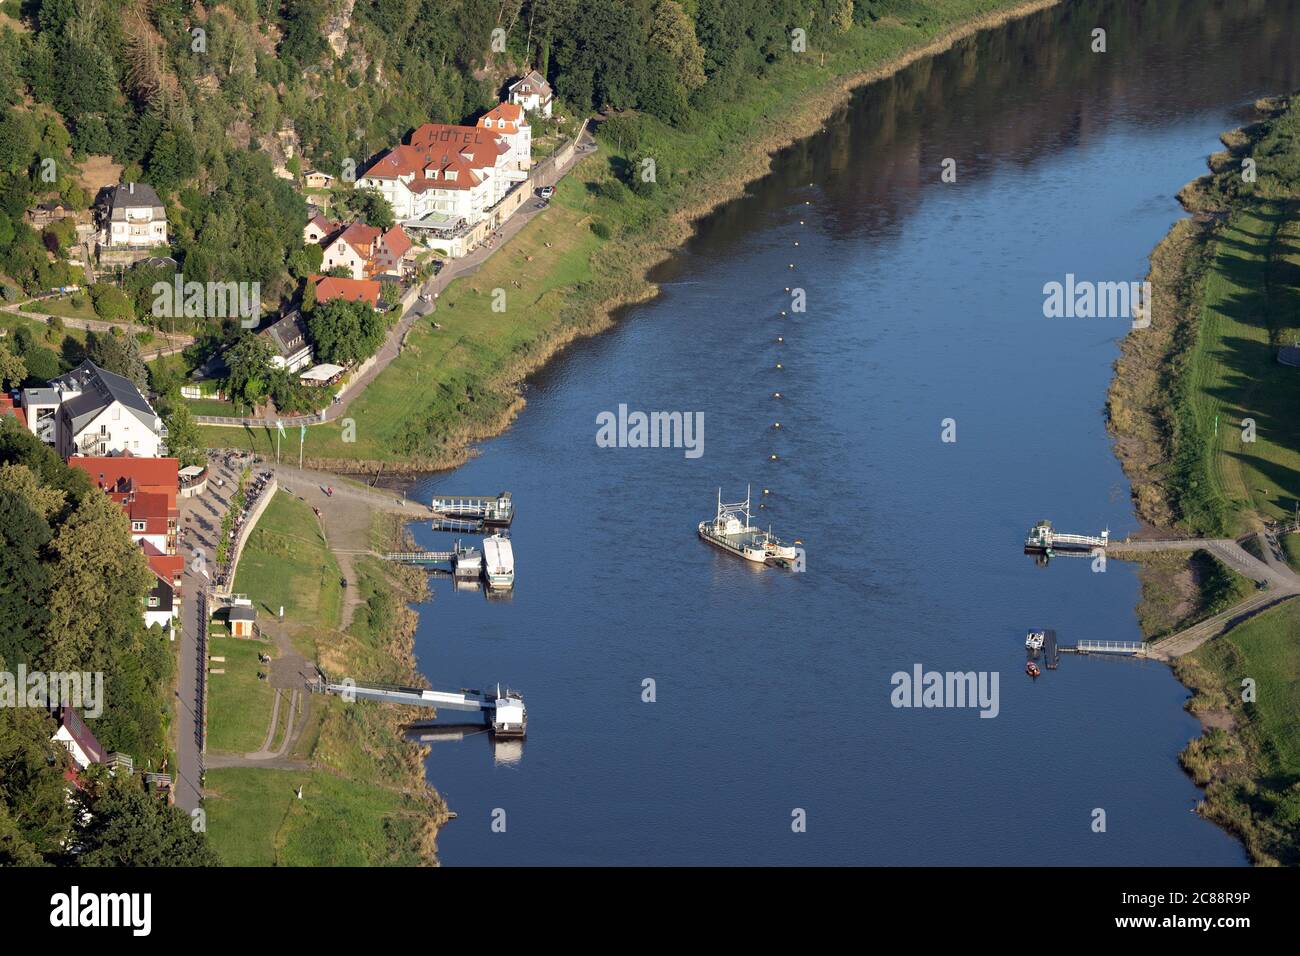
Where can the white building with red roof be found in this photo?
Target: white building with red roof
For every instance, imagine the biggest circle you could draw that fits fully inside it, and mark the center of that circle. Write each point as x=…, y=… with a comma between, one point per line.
x=368, y=252
x=510, y=122
x=146, y=489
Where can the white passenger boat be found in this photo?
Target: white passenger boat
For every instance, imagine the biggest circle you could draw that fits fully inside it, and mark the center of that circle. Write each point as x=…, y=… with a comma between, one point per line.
x=1034, y=640
x=498, y=562
x=732, y=531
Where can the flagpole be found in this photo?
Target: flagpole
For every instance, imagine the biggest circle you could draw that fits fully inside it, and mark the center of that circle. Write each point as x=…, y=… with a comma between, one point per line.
x=302, y=435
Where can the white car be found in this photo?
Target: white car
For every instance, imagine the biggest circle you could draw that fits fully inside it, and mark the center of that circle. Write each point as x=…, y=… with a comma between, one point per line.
x=546, y=192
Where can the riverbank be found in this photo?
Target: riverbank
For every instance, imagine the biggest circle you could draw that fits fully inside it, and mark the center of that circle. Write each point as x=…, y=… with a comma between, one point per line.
x=570, y=269
x=1202, y=416
x=364, y=798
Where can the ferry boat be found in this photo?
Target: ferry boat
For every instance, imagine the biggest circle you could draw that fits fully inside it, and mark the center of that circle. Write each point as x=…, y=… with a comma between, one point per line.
x=729, y=532
x=510, y=716
x=468, y=562
x=499, y=562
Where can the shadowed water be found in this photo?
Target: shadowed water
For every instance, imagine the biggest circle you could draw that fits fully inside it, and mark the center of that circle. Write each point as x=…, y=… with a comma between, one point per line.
x=924, y=303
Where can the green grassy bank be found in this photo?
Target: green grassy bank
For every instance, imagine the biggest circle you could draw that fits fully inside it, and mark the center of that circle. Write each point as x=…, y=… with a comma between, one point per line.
x=588, y=253
x=1249, y=759
x=365, y=801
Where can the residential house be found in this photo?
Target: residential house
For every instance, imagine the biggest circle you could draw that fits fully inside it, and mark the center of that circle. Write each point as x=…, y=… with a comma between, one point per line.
x=510, y=122
x=288, y=337
x=146, y=488
x=533, y=93
x=47, y=213
x=350, y=249
x=163, y=601
x=97, y=413
x=133, y=216
x=315, y=179
x=350, y=290
x=77, y=738
x=318, y=229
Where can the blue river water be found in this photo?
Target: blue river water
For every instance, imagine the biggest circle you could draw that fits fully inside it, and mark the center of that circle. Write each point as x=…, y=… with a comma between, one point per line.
x=772, y=689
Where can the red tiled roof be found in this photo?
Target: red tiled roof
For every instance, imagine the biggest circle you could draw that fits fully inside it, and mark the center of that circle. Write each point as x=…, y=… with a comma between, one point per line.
x=9, y=407
x=351, y=290
x=124, y=477
x=396, y=241
x=77, y=729
x=511, y=113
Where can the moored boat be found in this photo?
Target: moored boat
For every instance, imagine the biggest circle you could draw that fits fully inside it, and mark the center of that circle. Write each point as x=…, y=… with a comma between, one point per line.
x=498, y=562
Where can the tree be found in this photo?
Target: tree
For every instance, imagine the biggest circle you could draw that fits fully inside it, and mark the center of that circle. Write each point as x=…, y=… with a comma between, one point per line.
x=183, y=439
x=370, y=206
x=24, y=579
x=128, y=826
x=249, y=379
x=118, y=353
x=345, y=332
x=13, y=371
x=111, y=303
x=35, y=815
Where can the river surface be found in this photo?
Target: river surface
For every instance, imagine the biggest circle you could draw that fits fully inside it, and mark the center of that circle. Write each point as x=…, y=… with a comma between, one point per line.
x=925, y=302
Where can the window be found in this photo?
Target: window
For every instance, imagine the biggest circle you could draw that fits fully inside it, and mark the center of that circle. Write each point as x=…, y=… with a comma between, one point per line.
x=137, y=525
x=153, y=600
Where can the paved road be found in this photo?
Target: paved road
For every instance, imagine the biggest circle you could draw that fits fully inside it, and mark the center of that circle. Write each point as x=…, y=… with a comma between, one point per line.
x=200, y=524
x=1281, y=583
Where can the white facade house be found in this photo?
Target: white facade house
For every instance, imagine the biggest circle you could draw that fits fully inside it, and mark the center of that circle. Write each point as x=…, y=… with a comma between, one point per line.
x=509, y=122
x=100, y=413
x=288, y=336
x=134, y=217
x=533, y=93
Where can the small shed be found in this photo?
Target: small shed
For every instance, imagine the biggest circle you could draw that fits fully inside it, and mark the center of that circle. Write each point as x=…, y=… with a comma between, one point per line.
x=242, y=619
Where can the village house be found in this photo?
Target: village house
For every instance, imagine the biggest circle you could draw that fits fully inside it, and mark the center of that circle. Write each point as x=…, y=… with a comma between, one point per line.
x=315, y=179
x=162, y=604
x=533, y=93
x=329, y=288
x=288, y=337
x=91, y=411
x=509, y=121
x=76, y=737
x=242, y=618
x=368, y=252
x=318, y=229
x=146, y=488
x=133, y=216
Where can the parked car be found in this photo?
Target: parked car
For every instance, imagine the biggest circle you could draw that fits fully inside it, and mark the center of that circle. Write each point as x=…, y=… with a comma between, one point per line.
x=546, y=192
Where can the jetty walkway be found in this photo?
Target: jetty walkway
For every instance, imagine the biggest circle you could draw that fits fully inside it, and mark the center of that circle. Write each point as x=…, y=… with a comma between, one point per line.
x=1280, y=582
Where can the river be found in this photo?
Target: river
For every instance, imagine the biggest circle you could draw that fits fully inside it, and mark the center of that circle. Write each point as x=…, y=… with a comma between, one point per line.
x=925, y=302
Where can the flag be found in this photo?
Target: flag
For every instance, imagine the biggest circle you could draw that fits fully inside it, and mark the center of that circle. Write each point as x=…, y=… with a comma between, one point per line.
x=302, y=433
x=279, y=427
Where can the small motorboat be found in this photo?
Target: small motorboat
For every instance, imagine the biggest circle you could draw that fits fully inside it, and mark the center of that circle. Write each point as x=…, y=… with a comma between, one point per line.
x=1032, y=669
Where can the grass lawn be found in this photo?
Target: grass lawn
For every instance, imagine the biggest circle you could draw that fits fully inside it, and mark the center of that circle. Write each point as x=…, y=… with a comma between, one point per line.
x=287, y=564
x=1291, y=546
x=1235, y=374
x=239, y=705
x=212, y=406
x=254, y=819
x=62, y=305
x=1255, y=788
